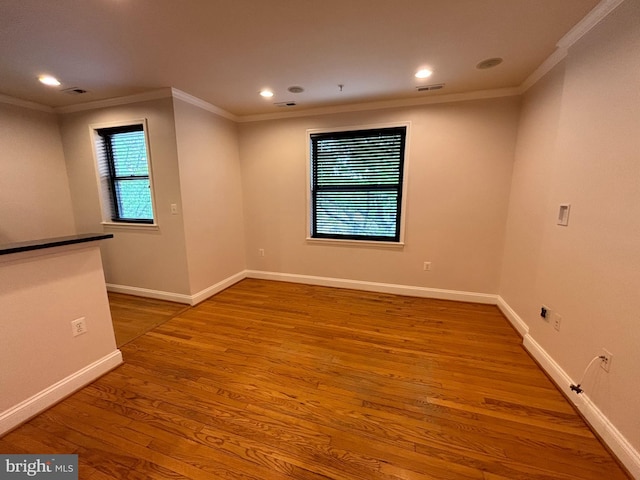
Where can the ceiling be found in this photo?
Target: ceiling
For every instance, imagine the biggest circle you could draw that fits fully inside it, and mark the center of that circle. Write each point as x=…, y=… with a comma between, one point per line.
x=225, y=51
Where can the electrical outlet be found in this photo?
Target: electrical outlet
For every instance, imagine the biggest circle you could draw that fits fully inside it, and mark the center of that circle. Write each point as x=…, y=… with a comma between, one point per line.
x=557, y=320
x=79, y=326
x=545, y=313
x=426, y=266
x=605, y=363
x=261, y=252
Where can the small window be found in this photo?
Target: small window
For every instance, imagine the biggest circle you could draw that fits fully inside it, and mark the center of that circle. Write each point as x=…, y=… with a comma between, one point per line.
x=123, y=167
x=356, y=184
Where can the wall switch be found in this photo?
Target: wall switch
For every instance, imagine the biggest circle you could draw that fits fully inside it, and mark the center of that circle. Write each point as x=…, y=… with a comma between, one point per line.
x=174, y=209
x=605, y=363
x=426, y=266
x=79, y=326
x=557, y=321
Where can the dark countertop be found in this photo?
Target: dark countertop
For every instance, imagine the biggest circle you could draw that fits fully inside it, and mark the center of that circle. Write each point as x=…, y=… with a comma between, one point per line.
x=17, y=247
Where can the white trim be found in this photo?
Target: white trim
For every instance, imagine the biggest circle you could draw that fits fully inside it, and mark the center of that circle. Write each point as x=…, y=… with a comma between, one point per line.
x=513, y=317
x=593, y=18
x=20, y=413
x=146, y=292
x=105, y=196
x=24, y=103
x=407, y=290
x=114, y=102
x=335, y=242
x=407, y=102
x=610, y=435
x=405, y=179
x=179, y=297
x=185, y=97
x=217, y=288
x=129, y=226
x=544, y=68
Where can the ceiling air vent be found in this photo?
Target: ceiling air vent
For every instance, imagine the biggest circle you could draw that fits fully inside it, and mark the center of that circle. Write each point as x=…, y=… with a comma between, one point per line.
x=285, y=104
x=428, y=88
x=74, y=91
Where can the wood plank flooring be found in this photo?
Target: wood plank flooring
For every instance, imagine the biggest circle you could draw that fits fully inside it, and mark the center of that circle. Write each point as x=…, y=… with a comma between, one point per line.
x=277, y=381
x=134, y=316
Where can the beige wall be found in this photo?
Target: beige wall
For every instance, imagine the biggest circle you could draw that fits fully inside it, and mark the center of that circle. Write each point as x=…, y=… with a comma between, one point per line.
x=211, y=195
x=143, y=258
x=459, y=172
x=34, y=191
x=41, y=292
x=579, y=143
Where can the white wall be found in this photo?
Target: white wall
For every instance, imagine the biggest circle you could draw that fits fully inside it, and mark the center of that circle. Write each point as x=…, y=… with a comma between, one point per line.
x=34, y=191
x=211, y=195
x=151, y=259
x=579, y=143
x=459, y=173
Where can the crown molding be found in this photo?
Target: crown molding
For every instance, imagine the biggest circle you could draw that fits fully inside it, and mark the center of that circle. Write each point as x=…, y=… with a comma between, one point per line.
x=25, y=103
x=195, y=101
x=408, y=102
x=593, y=18
x=113, y=102
x=545, y=67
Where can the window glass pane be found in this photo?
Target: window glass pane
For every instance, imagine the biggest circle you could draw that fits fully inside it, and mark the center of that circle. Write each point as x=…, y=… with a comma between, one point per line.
x=134, y=199
x=373, y=160
x=129, y=154
x=370, y=213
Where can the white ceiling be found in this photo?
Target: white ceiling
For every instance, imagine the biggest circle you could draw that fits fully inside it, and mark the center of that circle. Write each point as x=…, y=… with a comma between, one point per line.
x=225, y=51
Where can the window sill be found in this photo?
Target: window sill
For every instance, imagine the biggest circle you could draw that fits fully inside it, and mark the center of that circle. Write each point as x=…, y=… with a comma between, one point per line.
x=355, y=243
x=130, y=226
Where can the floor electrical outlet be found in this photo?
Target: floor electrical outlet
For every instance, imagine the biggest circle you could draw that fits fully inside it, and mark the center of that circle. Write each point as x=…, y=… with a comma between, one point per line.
x=605, y=363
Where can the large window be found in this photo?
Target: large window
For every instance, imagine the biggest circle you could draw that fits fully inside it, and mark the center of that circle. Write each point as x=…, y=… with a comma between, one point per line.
x=124, y=173
x=356, y=184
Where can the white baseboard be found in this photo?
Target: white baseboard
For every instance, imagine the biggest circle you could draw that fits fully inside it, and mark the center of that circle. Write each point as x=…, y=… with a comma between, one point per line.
x=610, y=435
x=408, y=290
x=178, y=297
x=148, y=293
x=218, y=287
x=513, y=317
x=20, y=413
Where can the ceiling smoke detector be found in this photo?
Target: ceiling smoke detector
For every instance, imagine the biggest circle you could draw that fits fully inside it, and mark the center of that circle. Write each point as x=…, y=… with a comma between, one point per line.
x=428, y=88
x=489, y=63
x=295, y=89
x=74, y=91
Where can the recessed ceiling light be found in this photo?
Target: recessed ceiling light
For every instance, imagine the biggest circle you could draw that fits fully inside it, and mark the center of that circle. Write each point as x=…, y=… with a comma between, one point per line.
x=424, y=73
x=489, y=63
x=266, y=93
x=49, y=80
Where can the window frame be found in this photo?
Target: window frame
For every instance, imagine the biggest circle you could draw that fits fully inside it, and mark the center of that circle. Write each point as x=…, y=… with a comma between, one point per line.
x=106, y=183
x=402, y=208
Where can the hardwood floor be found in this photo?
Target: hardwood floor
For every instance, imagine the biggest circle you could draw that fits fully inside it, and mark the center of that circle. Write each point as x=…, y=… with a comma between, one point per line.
x=135, y=316
x=279, y=381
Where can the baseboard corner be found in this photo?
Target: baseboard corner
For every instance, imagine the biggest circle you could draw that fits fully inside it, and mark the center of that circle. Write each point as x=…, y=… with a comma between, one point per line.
x=32, y=406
